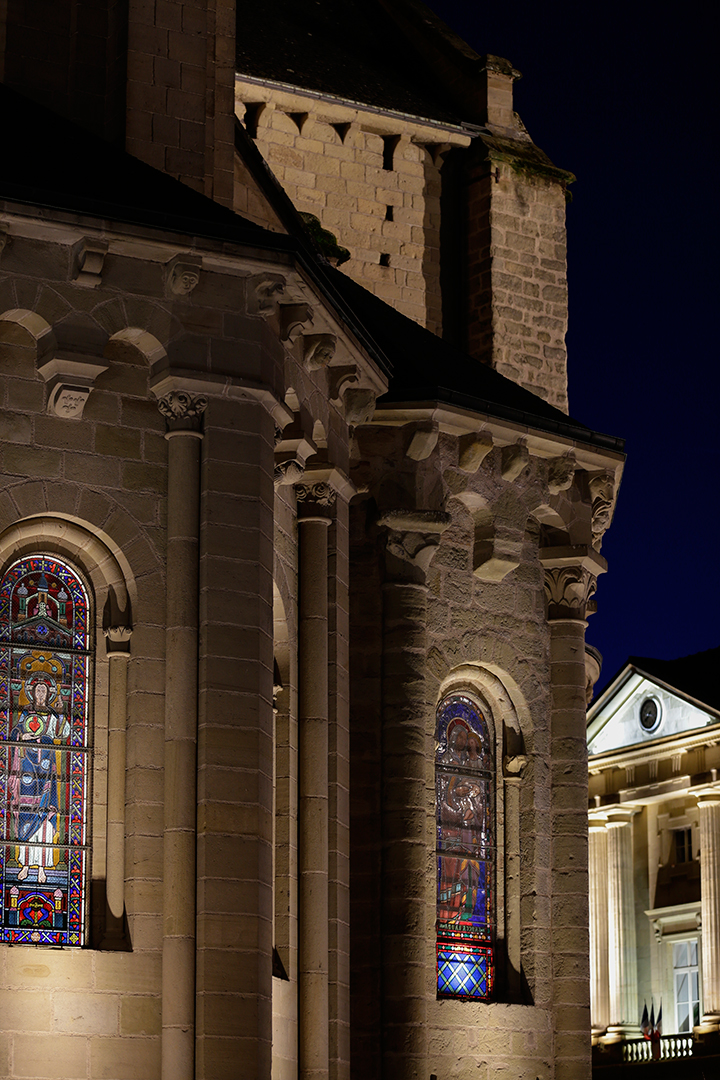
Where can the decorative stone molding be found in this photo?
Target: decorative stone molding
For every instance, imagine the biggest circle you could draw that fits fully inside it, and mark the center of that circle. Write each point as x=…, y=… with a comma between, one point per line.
x=71, y=377
x=293, y=319
x=292, y=449
x=288, y=472
x=570, y=580
x=183, y=411
x=514, y=459
x=90, y=261
x=264, y=294
x=561, y=472
x=317, y=495
x=117, y=641
x=602, y=490
x=182, y=275
x=318, y=350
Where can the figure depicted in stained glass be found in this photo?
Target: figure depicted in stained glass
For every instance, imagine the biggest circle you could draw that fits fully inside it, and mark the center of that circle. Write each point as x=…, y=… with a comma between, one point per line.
x=33, y=777
x=464, y=846
x=44, y=753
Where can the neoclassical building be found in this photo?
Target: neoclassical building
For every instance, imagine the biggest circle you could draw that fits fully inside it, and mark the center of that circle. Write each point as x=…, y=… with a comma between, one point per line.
x=297, y=547
x=654, y=756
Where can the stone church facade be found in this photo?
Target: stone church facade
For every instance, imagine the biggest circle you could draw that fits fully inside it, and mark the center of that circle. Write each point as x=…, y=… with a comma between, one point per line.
x=295, y=557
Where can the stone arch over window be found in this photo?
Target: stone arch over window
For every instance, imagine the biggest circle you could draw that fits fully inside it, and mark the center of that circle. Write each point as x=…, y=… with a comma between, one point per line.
x=61, y=591
x=480, y=761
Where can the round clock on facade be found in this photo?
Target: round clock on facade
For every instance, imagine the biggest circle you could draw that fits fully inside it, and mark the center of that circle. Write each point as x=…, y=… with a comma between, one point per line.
x=649, y=714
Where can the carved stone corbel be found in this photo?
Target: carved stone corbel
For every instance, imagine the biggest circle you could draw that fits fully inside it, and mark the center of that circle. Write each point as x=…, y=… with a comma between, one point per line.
x=293, y=319
x=561, y=472
x=340, y=378
x=602, y=490
x=264, y=293
x=496, y=552
x=71, y=377
x=182, y=275
x=412, y=539
x=89, y=262
x=570, y=580
x=472, y=451
x=183, y=411
x=423, y=441
x=359, y=405
x=514, y=459
x=318, y=350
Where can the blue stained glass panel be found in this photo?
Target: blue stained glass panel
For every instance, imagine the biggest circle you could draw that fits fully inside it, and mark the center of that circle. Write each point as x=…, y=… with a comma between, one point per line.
x=44, y=752
x=465, y=850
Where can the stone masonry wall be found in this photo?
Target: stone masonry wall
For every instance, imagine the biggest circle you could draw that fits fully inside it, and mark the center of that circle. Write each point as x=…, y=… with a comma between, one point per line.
x=333, y=163
x=518, y=278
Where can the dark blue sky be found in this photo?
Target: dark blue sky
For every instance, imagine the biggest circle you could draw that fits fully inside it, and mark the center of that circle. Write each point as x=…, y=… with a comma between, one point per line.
x=626, y=98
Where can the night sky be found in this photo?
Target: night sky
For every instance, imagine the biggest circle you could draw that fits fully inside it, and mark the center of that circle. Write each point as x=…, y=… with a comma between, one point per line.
x=627, y=100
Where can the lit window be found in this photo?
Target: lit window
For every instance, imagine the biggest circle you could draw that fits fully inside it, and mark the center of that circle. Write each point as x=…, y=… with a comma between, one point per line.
x=465, y=852
x=687, y=985
x=44, y=705
x=683, y=845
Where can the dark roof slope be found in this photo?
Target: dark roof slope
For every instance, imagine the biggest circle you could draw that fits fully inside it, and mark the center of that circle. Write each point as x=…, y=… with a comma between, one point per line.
x=49, y=161
x=696, y=676
x=352, y=50
x=425, y=368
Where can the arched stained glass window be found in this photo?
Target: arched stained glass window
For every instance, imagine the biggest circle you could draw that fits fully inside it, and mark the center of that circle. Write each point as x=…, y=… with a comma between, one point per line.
x=465, y=852
x=45, y=673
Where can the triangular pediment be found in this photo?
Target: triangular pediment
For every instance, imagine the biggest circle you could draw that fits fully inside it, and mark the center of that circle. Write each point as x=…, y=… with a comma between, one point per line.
x=638, y=709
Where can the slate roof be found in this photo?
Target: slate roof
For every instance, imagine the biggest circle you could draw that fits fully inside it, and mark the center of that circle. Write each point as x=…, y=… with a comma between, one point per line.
x=351, y=49
x=50, y=162
x=696, y=676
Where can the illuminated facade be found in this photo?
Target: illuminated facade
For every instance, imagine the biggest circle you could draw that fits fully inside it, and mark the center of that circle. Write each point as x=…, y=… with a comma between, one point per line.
x=653, y=739
x=297, y=545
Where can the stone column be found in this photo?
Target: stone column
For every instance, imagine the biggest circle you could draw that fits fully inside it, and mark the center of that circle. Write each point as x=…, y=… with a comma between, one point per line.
x=599, y=978
x=622, y=944
x=184, y=412
x=406, y=754
x=314, y=501
x=118, y=653
x=570, y=579
x=235, y=742
x=709, y=805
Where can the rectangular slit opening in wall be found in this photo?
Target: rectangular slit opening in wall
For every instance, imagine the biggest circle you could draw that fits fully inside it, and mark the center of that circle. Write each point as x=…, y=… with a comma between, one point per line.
x=389, y=213
x=385, y=259
x=389, y=145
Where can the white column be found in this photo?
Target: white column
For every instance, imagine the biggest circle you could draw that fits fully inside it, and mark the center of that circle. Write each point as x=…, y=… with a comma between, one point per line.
x=599, y=980
x=709, y=805
x=622, y=945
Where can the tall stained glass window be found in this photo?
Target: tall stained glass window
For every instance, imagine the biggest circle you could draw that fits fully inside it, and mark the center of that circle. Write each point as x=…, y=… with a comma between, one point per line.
x=44, y=712
x=465, y=853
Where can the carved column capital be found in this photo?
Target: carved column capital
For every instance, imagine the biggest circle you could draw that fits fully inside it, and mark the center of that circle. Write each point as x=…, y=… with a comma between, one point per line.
x=183, y=412
x=315, y=499
x=117, y=641
x=570, y=581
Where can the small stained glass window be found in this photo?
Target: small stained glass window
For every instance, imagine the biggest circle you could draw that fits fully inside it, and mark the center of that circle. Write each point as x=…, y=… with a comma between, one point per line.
x=45, y=668
x=465, y=851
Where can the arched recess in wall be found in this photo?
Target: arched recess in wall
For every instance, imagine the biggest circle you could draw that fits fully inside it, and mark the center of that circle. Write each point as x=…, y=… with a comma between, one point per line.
x=68, y=557
x=481, y=721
